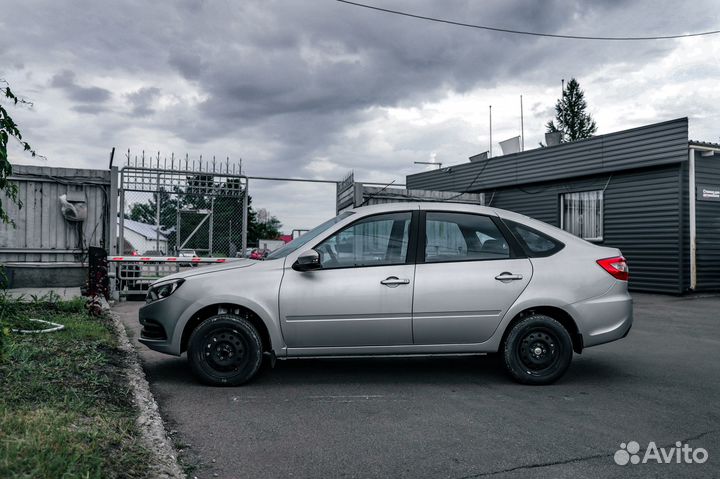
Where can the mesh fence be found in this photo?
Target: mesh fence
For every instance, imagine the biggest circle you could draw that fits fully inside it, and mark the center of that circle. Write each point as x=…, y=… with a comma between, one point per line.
x=171, y=208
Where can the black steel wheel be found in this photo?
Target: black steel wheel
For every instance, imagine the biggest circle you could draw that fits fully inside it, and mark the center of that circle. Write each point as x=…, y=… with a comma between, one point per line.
x=225, y=350
x=538, y=350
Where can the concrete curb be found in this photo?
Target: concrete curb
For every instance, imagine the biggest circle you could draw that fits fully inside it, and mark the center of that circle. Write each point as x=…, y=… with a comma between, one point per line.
x=149, y=420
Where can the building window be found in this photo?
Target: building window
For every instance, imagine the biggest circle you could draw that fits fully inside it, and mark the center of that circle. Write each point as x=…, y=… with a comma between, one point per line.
x=581, y=214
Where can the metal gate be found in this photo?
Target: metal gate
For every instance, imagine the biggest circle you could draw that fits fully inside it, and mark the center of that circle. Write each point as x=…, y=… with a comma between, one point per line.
x=181, y=208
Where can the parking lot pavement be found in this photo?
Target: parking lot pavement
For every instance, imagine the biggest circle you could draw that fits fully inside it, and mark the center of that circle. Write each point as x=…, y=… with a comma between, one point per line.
x=460, y=417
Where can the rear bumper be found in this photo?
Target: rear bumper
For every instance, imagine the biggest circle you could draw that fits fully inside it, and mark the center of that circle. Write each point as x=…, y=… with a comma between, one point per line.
x=605, y=318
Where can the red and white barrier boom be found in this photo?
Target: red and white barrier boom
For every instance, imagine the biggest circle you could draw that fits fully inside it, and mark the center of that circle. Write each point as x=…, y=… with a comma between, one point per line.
x=164, y=259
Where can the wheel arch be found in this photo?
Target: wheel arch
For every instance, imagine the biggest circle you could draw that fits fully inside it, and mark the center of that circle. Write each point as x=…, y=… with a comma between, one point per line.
x=559, y=314
x=226, y=307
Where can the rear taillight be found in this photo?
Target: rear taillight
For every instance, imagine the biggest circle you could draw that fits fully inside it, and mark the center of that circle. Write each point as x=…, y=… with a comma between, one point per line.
x=616, y=266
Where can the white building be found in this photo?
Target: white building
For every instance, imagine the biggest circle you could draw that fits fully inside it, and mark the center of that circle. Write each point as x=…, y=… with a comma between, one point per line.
x=142, y=237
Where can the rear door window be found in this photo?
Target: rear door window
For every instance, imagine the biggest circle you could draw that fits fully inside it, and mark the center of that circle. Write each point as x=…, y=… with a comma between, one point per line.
x=462, y=237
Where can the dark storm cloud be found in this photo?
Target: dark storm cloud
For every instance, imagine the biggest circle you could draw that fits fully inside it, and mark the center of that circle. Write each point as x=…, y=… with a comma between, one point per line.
x=327, y=61
x=290, y=77
x=89, y=109
x=141, y=101
x=65, y=80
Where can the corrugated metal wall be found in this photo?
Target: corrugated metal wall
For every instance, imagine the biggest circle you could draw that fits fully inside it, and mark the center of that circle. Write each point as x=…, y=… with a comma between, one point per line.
x=707, y=225
x=41, y=233
x=641, y=217
x=658, y=144
x=685, y=218
x=645, y=212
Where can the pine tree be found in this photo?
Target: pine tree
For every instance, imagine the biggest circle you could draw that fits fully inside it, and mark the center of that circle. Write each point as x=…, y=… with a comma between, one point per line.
x=572, y=120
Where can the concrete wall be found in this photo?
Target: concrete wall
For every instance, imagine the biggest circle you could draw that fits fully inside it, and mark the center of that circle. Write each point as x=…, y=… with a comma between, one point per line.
x=45, y=275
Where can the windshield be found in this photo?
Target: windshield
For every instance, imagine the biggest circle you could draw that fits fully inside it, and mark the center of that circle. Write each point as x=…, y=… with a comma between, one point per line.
x=300, y=241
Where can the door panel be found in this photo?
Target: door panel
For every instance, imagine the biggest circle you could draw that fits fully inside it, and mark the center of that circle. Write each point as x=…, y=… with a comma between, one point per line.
x=462, y=302
x=362, y=296
x=466, y=280
x=347, y=307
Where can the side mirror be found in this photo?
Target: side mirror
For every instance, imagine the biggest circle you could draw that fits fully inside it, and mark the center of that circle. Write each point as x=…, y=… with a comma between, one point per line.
x=307, y=261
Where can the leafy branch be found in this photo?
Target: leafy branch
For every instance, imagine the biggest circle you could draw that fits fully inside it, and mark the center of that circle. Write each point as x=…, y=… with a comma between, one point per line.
x=9, y=129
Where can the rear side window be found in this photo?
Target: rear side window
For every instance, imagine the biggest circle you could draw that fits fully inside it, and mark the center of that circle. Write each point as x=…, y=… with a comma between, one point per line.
x=535, y=243
x=462, y=237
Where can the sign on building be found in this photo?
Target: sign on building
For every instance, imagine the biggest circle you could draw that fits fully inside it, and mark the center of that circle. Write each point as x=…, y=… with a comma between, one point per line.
x=708, y=192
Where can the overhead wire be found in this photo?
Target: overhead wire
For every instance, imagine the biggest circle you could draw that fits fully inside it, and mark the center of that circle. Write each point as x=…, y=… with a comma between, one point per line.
x=377, y=193
x=471, y=184
x=526, y=32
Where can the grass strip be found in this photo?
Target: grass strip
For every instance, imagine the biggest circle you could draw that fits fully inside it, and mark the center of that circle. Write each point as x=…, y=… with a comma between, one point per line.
x=65, y=406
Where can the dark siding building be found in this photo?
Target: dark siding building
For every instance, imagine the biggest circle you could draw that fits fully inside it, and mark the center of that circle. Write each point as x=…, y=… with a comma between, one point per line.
x=629, y=189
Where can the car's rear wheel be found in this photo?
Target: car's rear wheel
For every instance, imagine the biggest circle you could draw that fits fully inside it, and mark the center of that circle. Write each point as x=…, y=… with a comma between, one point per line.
x=538, y=350
x=225, y=350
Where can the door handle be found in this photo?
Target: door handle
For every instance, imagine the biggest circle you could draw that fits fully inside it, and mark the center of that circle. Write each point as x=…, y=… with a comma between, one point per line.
x=394, y=281
x=506, y=276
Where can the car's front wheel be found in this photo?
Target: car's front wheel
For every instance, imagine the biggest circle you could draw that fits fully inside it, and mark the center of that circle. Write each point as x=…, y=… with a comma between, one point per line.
x=538, y=350
x=225, y=350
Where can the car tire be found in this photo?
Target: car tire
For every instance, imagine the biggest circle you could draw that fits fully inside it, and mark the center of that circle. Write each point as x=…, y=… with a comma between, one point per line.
x=225, y=350
x=538, y=350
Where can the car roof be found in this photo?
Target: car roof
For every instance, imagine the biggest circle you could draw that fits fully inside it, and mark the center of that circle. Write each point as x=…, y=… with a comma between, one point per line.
x=426, y=206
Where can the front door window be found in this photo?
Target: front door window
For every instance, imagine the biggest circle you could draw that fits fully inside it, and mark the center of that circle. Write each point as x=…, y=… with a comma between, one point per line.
x=379, y=240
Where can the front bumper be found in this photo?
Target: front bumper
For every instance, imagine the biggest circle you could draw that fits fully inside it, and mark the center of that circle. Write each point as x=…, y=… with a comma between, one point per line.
x=160, y=320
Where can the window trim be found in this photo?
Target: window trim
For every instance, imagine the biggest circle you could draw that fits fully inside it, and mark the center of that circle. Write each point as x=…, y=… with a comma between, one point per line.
x=561, y=199
x=412, y=241
x=516, y=251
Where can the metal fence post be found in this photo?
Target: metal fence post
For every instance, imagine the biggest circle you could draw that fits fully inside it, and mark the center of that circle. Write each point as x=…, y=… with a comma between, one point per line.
x=245, y=217
x=113, y=212
x=210, y=226
x=121, y=216
x=157, y=215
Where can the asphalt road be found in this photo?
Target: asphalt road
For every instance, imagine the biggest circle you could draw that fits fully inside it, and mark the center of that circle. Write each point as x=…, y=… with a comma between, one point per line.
x=459, y=417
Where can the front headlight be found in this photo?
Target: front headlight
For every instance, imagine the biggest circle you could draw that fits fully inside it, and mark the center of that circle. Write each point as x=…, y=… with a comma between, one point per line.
x=162, y=290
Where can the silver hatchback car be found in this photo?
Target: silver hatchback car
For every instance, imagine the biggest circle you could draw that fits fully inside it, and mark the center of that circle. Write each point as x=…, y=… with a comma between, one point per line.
x=399, y=279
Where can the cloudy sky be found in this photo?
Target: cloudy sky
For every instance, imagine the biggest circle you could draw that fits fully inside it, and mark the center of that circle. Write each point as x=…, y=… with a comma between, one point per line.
x=317, y=88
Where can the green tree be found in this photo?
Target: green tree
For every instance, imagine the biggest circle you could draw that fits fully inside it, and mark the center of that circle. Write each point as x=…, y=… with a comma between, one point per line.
x=9, y=129
x=147, y=212
x=571, y=116
x=258, y=230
